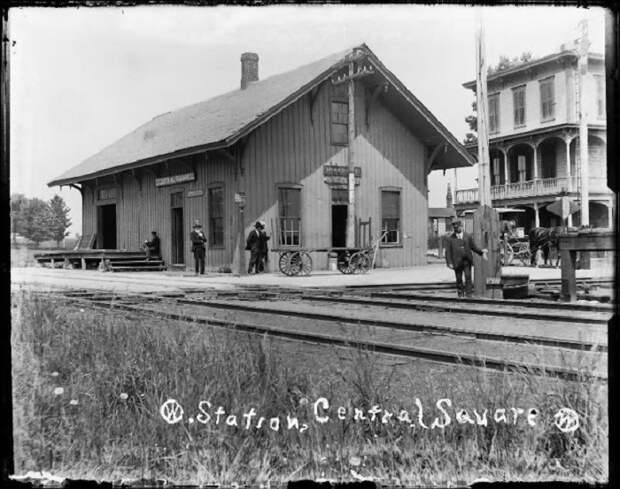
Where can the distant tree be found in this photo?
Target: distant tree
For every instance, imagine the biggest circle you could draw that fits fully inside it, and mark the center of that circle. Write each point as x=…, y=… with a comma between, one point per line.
x=60, y=221
x=18, y=203
x=526, y=56
x=505, y=62
x=37, y=220
x=472, y=121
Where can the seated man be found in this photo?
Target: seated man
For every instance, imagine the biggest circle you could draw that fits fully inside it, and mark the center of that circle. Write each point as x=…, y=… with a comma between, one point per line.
x=151, y=247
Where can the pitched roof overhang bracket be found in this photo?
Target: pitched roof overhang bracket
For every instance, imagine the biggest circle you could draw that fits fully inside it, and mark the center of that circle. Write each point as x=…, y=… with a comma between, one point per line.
x=382, y=87
x=73, y=185
x=313, y=94
x=431, y=159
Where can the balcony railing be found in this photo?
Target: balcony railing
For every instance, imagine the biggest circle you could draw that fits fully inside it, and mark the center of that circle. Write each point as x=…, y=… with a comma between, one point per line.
x=533, y=188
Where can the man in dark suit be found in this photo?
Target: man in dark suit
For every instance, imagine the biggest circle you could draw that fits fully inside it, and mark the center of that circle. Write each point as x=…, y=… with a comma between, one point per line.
x=152, y=247
x=459, y=247
x=256, y=244
x=199, y=241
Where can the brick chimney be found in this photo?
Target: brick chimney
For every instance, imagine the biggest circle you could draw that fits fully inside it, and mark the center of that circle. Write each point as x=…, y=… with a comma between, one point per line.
x=249, y=69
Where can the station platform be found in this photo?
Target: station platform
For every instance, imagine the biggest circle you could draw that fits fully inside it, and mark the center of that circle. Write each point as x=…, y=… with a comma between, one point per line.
x=169, y=281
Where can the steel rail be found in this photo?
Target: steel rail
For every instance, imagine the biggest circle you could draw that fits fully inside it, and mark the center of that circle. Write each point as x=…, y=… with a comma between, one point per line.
x=415, y=327
x=439, y=356
x=454, y=306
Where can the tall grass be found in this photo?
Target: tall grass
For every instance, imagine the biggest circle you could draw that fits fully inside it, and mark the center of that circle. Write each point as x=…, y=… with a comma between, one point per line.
x=116, y=369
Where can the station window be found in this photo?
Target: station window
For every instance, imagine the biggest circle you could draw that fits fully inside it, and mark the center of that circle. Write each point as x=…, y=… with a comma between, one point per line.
x=289, y=216
x=340, y=122
x=390, y=216
x=216, y=216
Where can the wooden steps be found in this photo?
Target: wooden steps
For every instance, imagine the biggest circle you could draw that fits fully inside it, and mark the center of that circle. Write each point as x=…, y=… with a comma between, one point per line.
x=135, y=264
x=102, y=259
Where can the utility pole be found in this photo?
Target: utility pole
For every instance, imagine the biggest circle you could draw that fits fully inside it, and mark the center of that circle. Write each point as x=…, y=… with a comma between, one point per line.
x=350, y=160
x=583, y=124
x=484, y=174
x=353, y=72
x=486, y=220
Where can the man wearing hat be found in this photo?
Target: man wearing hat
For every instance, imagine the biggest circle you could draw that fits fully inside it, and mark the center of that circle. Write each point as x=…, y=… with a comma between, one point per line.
x=459, y=247
x=256, y=244
x=199, y=241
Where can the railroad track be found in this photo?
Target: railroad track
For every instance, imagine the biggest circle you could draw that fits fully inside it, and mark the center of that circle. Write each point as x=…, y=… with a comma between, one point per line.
x=583, y=282
x=445, y=345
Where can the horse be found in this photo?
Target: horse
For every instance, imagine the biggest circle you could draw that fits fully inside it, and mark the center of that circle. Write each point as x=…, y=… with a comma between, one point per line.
x=545, y=239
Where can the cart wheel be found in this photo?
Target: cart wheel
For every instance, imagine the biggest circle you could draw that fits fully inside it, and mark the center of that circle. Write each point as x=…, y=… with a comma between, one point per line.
x=344, y=263
x=360, y=262
x=293, y=263
x=305, y=264
x=283, y=262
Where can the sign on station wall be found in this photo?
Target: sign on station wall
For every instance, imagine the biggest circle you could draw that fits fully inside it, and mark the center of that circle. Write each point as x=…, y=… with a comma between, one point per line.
x=337, y=176
x=174, y=179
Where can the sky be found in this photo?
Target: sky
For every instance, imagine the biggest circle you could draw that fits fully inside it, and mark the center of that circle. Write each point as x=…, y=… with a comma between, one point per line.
x=81, y=78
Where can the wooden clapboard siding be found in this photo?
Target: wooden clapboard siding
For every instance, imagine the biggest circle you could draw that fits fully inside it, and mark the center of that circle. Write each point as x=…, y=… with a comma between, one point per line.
x=290, y=149
x=391, y=156
x=143, y=208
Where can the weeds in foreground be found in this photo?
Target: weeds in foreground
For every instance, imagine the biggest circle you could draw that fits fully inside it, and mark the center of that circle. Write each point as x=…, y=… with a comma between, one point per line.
x=89, y=385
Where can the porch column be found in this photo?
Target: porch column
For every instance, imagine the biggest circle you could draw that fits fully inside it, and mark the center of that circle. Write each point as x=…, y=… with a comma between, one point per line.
x=569, y=221
x=536, y=216
x=610, y=214
x=535, y=160
x=568, y=175
x=506, y=175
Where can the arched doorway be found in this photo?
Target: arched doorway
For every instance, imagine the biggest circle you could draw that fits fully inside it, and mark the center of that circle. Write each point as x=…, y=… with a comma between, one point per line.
x=520, y=163
x=549, y=151
x=498, y=174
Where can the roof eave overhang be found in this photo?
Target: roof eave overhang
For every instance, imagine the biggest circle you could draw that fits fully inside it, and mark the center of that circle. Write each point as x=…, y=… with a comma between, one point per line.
x=139, y=164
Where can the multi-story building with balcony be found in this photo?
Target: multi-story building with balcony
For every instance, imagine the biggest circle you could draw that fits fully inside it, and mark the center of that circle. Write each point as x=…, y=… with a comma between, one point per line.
x=534, y=139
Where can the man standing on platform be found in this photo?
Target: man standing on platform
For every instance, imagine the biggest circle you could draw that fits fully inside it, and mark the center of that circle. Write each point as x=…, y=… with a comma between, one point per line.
x=459, y=258
x=198, y=247
x=257, y=245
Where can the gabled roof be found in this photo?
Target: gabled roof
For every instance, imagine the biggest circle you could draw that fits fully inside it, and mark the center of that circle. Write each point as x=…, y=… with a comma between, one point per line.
x=221, y=121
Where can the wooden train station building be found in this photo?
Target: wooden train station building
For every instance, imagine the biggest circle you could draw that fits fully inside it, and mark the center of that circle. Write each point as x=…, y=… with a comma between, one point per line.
x=275, y=150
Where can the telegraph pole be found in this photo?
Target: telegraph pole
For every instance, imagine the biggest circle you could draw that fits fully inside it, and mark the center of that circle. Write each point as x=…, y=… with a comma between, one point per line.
x=484, y=174
x=583, y=124
x=350, y=160
x=353, y=72
x=486, y=221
